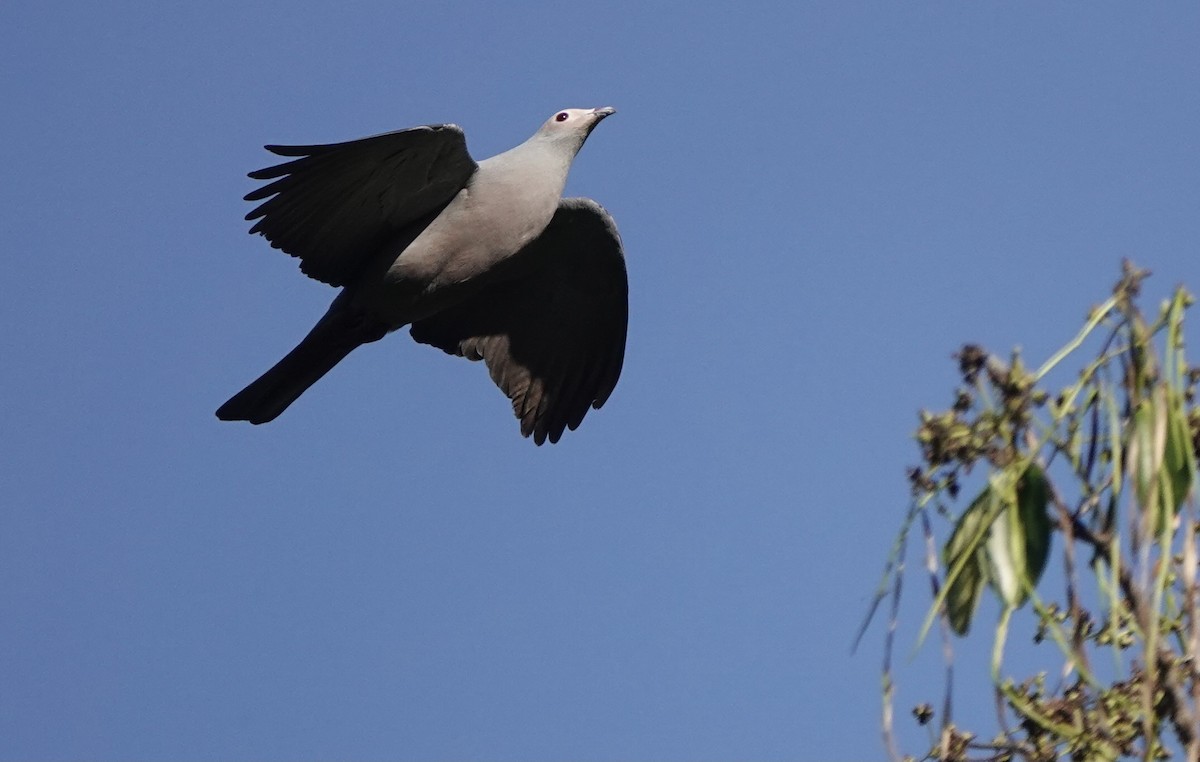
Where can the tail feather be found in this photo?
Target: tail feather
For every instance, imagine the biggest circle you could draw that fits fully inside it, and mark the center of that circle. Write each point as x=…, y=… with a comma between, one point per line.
x=336, y=335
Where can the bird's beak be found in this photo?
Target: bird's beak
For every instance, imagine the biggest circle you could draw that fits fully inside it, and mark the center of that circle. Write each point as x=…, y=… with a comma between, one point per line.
x=603, y=111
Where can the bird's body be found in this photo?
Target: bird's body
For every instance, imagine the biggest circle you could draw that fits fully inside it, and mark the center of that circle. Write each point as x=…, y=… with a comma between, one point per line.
x=452, y=255
x=477, y=258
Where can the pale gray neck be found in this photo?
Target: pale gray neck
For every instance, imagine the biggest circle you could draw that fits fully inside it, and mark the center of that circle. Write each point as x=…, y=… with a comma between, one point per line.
x=539, y=157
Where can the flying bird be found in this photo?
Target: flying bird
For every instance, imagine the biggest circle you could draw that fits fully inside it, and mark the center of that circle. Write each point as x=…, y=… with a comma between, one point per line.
x=483, y=260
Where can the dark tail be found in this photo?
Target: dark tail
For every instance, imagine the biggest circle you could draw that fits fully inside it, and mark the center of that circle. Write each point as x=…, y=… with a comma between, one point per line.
x=334, y=336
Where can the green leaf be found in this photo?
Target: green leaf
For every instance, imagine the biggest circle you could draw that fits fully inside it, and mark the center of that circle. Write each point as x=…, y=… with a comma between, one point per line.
x=1005, y=558
x=1019, y=542
x=1142, y=446
x=1164, y=477
x=1178, y=460
x=963, y=556
x=1033, y=496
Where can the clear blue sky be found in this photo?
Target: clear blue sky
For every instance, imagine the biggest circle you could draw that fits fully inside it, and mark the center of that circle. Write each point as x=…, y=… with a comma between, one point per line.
x=819, y=202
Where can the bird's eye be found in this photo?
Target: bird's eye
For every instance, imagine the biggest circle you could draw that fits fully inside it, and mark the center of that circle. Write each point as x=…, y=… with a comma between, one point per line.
x=561, y=116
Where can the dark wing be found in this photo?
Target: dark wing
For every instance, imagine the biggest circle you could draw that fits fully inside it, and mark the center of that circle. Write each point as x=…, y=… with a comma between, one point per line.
x=336, y=204
x=553, y=337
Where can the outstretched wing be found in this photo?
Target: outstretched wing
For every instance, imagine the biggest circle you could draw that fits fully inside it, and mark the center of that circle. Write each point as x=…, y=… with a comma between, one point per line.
x=553, y=336
x=337, y=203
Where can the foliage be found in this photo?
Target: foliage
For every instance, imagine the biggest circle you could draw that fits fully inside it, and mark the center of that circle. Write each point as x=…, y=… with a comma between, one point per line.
x=1108, y=464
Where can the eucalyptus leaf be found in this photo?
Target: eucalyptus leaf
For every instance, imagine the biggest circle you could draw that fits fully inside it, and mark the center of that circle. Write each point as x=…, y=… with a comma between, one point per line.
x=1033, y=497
x=1178, y=460
x=964, y=560
x=1141, y=452
x=1019, y=542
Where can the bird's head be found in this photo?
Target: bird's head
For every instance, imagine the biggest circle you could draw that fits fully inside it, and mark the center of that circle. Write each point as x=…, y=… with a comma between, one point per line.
x=573, y=125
